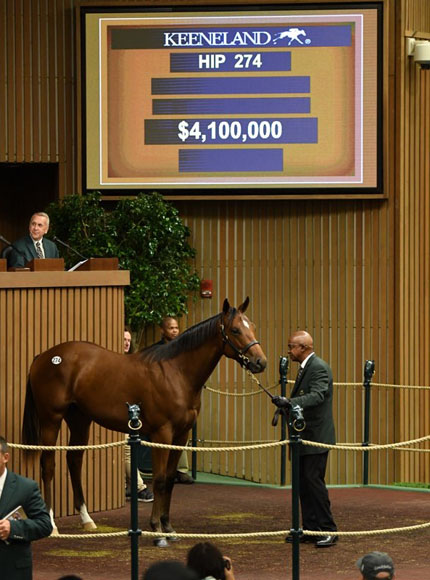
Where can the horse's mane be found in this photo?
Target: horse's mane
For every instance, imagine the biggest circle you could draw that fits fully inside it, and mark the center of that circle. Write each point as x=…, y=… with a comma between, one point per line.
x=188, y=340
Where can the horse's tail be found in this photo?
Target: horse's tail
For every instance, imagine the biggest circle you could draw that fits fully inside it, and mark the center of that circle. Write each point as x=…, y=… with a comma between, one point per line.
x=30, y=420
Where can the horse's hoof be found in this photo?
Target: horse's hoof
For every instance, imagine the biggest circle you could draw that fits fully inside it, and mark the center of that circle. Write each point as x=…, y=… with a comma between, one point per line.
x=89, y=526
x=161, y=543
x=55, y=533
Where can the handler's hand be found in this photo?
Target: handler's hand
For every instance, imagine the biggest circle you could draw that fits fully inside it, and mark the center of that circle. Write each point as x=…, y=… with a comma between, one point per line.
x=4, y=529
x=281, y=402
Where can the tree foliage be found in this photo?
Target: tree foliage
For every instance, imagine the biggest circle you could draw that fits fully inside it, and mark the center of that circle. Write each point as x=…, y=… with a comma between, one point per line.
x=149, y=239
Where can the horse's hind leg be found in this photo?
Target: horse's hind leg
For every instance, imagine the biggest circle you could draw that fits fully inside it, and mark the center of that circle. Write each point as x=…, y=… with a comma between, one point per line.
x=48, y=436
x=159, y=486
x=79, y=425
x=164, y=463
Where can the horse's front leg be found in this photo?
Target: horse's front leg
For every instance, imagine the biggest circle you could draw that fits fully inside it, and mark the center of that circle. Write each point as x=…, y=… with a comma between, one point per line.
x=172, y=465
x=159, y=486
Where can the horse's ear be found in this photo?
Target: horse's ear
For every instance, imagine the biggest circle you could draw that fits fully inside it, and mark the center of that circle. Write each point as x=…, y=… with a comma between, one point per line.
x=244, y=306
x=226, y=306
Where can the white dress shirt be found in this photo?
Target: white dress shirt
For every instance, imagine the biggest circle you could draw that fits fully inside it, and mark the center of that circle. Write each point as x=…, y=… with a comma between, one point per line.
x=2, y=480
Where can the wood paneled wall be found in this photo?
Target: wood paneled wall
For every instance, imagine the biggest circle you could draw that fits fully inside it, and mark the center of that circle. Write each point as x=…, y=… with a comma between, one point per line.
x=413, y=241
x=36, y=315
x=37, y=85
x=322, y=266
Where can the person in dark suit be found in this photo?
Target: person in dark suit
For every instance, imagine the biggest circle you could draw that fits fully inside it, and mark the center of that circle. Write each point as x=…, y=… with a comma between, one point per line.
x=313, y=391
x=34, y=245
x=169, y=331
x=17, y=534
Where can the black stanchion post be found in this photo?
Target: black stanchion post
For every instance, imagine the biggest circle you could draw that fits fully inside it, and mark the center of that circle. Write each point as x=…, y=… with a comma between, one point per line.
x=194, y=453
x=296, y=424
x=369, y=369
x=134, y=425
x=283, y=368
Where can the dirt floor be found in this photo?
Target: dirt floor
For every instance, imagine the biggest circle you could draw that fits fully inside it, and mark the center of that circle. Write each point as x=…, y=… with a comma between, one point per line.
x=209, y=508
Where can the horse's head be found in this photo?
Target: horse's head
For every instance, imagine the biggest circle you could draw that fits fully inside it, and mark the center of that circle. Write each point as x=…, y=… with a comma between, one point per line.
x=239, y=338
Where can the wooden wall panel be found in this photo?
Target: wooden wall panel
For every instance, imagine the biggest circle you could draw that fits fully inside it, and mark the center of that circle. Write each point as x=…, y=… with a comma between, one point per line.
x=416, y=15
x=37, y=76
x=413, y=243
x=32, y=320
x=322, y=266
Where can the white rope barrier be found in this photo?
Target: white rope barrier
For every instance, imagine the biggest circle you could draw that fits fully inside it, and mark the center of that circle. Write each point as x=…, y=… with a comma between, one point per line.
x=124, y=533
x=347, y=447
x=145, y=534
x=337, y=384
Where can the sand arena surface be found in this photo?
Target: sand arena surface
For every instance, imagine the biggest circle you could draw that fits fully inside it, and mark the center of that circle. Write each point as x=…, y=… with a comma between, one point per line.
x=209, y=508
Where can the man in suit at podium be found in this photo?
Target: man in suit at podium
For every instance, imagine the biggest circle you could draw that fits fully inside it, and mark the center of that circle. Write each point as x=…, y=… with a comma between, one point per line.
x=23, y=518
x=34, y=245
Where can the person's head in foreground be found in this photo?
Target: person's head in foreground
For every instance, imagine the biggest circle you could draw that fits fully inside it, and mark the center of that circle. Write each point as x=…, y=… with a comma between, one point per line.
x=207, y=560
x=376, y=566
x=169, y=570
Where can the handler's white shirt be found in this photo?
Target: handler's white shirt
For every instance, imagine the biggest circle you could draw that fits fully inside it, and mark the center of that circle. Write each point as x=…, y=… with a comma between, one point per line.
x=2, y=480
x=303, y=363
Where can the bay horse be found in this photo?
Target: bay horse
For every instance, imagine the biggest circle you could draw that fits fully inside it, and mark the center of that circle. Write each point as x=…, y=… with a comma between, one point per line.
x=81, y=382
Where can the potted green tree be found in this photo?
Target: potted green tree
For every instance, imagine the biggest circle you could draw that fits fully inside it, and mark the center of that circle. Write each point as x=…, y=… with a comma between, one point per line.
x=149, y=238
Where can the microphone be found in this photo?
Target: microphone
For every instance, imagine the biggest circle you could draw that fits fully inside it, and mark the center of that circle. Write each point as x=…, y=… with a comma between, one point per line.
x=5, y=241
x=283, y=367
x=68, y=247
x=10, y=245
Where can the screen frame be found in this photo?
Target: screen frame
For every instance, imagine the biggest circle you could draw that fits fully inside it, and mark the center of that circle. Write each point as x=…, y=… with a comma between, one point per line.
x=257, y=191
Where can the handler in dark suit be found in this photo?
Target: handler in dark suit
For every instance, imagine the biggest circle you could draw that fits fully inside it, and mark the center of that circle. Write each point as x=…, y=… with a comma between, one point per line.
x=313, y=391
x=16, y=534
x=34, y=245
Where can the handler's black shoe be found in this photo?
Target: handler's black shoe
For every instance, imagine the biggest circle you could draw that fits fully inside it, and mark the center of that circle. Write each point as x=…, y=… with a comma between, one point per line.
x=327, y=541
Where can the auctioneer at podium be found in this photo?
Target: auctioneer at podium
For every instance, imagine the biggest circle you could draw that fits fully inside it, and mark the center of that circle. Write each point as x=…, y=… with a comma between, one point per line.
x=34, y=245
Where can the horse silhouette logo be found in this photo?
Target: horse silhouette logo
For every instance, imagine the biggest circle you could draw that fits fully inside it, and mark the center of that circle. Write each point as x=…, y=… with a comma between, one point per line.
x=293, y=34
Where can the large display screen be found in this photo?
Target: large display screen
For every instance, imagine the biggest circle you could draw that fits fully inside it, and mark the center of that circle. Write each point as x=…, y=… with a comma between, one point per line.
x=235, y=102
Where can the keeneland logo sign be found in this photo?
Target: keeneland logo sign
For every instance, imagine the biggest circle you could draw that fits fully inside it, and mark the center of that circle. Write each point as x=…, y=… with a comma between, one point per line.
x=233, y=38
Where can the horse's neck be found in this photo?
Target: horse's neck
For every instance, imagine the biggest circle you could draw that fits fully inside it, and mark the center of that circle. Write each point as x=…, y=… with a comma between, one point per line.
x=205, y=359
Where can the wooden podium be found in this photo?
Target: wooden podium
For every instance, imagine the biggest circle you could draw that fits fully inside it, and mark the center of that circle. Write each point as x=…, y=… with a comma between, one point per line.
x=46, y=265
x=38, y=310
x=3, y=265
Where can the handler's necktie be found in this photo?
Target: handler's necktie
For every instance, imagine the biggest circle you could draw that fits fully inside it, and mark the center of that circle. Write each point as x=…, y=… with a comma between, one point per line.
x=299, y=374
x=39, y=250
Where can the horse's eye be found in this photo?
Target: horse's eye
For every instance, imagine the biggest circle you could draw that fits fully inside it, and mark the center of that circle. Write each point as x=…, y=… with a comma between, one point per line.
x=235, y=331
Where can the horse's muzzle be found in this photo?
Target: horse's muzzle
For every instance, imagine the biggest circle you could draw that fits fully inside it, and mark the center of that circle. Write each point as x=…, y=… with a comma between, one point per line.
x=257, y=366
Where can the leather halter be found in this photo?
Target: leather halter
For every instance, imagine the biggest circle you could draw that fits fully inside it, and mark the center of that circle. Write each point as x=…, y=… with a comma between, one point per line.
x=240, y=353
